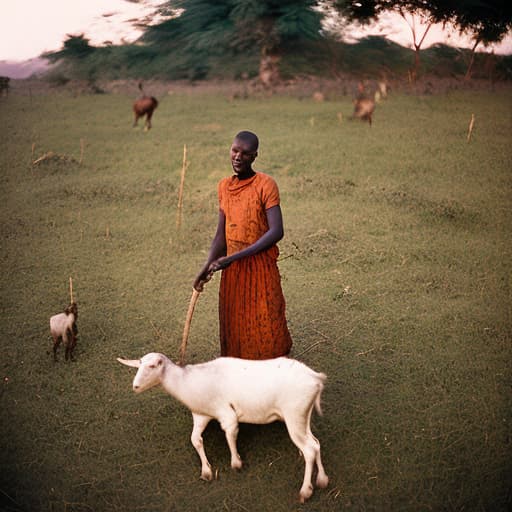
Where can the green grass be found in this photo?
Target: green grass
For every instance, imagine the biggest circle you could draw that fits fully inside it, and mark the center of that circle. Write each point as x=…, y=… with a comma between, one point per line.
x=396, y=267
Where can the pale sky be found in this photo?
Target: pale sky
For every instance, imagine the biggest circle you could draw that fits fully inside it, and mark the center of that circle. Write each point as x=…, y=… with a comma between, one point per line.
x=31, y=27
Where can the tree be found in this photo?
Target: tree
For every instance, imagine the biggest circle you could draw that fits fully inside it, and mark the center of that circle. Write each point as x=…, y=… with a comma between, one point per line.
x=75, y=47
x=416, y=18
x=487, y=20
x=213, y=27
x=419, y=15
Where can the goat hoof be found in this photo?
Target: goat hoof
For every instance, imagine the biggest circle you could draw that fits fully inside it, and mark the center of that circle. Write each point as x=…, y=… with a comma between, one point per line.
x=207, y=475
x=237, y=464
x=322, y=481
x=305, y=493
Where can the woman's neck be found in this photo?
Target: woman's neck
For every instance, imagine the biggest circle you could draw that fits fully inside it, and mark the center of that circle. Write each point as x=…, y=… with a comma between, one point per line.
x=246, y=175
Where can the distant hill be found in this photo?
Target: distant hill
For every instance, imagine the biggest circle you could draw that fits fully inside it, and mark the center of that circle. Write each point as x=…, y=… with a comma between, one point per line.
x=23, y=69
x=371, y=56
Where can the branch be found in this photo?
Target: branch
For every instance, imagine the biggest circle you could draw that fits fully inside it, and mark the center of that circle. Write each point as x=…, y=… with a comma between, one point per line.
x=425, y=34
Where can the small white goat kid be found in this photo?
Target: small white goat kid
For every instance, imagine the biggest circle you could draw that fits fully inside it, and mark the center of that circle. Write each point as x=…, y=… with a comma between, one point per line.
x=234, y=391
x=63, y=328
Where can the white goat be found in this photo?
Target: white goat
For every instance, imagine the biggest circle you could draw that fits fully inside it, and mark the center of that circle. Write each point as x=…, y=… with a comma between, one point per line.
x=63, y=328
x=233, y=390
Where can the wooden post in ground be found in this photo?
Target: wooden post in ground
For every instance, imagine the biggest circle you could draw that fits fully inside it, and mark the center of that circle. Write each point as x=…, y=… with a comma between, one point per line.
x=71, y=290
x=182, y=183
x=470, y=127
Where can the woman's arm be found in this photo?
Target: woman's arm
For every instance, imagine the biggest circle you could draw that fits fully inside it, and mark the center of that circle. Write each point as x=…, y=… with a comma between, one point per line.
x=268, y=239
x=218, y=249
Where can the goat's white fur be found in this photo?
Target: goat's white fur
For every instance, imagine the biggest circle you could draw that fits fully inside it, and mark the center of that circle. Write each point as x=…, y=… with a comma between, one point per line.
x=233, y=390
x=61, y=327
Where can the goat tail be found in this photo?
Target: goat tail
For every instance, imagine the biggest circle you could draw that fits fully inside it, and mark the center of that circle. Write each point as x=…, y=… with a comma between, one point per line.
x=318, y=406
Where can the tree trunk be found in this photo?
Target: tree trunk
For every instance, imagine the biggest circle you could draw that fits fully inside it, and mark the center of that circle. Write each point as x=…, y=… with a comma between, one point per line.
x=269, y=69
x=413, y=74
x=415, y=71
x=467, y=76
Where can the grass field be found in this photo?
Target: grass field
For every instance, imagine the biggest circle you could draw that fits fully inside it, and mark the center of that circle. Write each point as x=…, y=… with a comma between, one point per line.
x=396, y=267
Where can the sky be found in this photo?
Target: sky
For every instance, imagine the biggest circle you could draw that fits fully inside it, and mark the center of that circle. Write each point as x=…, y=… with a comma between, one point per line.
x=31, y=27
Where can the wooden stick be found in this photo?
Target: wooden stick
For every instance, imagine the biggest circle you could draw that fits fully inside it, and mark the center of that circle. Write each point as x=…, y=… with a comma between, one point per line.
x=46, y=156
x=470, y=128
x=182, y=183
x=71, y=289
x=186, y=329
x=81, y=151
x=190, y=312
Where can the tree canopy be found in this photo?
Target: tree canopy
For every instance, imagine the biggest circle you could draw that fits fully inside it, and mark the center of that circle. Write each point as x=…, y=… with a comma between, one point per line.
x=196, y=39
x=212, y=27
x=486, y=21
x=75, y=47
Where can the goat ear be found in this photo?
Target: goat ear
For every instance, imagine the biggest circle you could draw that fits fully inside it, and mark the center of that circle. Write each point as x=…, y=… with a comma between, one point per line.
x=134, y=363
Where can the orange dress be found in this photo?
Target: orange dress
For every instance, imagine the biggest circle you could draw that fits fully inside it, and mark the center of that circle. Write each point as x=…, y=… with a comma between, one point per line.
x=251, y=302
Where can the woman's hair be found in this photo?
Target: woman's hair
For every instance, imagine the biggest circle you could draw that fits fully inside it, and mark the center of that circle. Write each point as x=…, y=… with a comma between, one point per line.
x=249, y=138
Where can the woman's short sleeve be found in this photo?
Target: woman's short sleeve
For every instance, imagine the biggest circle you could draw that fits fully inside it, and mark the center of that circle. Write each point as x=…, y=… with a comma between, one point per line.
x=270, y=193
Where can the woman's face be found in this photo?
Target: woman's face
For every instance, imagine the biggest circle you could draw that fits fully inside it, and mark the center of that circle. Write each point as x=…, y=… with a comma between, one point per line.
x=242, y=157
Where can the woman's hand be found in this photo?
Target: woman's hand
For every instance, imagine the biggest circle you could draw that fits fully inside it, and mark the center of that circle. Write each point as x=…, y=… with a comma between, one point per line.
x=203, y=277
x=220, y=264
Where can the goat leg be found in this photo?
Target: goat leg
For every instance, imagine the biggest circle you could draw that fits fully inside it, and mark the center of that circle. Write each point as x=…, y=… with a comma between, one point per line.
x=200, y=423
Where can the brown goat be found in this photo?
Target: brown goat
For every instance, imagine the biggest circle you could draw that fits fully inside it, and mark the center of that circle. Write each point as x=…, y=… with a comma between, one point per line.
x=363, y=109
x=144, y=106
x=363, y=105
x=63, y=328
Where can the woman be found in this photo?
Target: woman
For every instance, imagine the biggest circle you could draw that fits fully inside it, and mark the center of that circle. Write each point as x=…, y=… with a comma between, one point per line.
x=251, y=302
